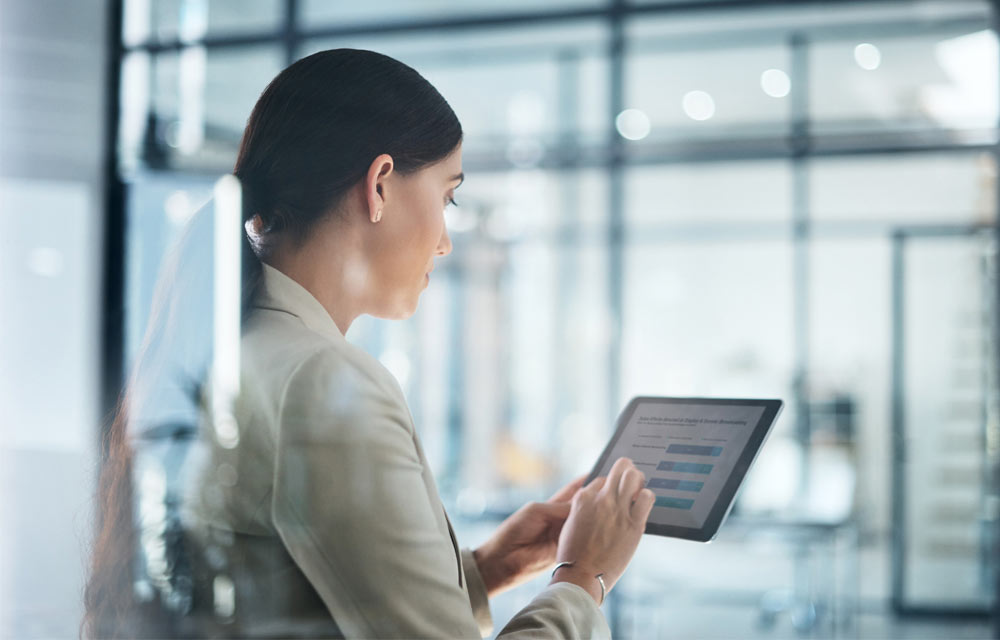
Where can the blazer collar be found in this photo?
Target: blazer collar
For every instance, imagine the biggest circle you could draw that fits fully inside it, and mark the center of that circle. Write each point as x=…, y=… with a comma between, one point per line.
x=281, y=293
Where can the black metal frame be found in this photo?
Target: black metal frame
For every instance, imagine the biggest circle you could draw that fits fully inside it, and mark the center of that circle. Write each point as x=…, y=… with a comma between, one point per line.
x=112, y=324
x=614, y=10
x=800, y=144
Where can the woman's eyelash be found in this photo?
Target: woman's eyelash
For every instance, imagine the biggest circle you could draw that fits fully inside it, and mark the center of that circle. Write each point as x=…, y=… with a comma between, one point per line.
x=451, y=201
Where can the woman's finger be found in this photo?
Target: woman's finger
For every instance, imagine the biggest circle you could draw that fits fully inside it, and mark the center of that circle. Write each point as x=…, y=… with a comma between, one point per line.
x=557, y=511
x=596, y=484
x=643, y=505
x=615, y=475
x=632, y=480
x=566, y=493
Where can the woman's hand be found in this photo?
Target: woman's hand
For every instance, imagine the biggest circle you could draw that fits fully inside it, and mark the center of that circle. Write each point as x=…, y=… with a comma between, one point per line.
x=607, y=519
x=525, y=543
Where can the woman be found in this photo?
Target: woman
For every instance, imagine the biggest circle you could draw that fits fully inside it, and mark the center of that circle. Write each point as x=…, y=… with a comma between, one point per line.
x=322, y=517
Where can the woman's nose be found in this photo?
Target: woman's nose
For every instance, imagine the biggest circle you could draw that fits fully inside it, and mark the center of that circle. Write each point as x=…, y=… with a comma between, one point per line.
x=444, y=246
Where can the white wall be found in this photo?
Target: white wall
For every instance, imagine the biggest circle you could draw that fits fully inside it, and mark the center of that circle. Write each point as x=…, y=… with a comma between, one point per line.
x=52, y=86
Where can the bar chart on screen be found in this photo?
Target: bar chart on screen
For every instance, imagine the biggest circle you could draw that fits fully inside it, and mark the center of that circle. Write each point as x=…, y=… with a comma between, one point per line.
x=687, y=450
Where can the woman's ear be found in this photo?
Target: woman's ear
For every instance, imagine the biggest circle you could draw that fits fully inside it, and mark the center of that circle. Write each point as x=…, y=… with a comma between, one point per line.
x=375, y=185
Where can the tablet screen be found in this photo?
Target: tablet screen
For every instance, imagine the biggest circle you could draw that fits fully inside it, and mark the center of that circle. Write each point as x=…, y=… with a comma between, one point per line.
x=688, y=452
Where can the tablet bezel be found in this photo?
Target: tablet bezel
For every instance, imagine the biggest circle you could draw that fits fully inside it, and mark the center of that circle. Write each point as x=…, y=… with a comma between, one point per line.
x=727, y=496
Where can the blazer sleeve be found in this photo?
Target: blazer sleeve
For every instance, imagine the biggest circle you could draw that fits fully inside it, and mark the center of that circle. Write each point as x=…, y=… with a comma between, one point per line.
x=478, y=597
x=351, y=506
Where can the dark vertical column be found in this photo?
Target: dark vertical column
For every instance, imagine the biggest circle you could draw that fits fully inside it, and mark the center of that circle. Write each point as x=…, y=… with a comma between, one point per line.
x=566, y=240
x=113, y=276
x=898, y=527
x=616, y=205
x=456, y=370
x=800, y=149
x=290, y=32
x=615, y=233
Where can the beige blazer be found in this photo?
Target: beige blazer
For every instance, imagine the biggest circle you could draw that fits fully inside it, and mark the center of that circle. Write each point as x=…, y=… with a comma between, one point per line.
x=325, y=519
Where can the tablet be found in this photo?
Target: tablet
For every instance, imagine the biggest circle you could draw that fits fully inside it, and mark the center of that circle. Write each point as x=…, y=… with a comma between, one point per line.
x=695, y=453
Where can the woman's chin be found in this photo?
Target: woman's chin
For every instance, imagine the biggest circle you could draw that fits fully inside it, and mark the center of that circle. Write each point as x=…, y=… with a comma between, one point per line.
x=402, y=306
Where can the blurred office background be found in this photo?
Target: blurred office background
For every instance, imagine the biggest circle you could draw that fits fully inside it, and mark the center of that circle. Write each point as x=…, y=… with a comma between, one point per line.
x=704, y=197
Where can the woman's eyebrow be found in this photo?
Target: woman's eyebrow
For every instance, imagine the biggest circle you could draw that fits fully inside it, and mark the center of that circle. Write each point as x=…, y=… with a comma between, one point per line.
x=460, y=177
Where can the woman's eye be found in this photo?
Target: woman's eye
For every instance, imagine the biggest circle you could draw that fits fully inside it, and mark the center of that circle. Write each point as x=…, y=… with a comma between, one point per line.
x=450, y=201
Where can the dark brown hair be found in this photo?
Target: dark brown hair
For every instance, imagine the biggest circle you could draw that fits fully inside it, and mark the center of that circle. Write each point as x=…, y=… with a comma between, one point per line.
x=318, y=126
x=312, y=135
